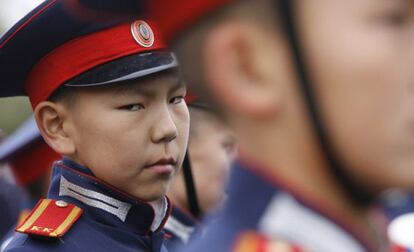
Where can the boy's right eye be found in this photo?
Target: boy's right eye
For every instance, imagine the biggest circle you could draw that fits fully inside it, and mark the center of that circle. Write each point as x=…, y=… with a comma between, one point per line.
x=132, y=107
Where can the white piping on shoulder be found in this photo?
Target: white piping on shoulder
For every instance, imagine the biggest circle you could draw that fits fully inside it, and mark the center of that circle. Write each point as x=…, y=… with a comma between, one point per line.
x=179, y=229
x=6, y=243
x=94, y=199
x=285, y=218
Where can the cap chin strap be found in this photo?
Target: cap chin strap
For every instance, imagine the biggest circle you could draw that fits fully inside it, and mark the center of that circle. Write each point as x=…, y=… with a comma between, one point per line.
x=358, y=193
x=192, y=199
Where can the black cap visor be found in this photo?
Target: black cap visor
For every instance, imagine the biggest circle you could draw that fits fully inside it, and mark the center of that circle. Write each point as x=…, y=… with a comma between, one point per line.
x=124, y=69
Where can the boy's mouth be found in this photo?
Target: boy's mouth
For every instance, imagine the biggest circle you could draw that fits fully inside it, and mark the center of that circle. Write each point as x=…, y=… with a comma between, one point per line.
x=163, y=165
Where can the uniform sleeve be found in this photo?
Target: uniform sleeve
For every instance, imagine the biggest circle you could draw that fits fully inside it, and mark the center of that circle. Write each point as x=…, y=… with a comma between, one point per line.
x=25, y=243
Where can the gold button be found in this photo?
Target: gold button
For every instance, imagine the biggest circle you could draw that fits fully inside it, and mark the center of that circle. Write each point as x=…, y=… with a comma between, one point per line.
x=61, y=203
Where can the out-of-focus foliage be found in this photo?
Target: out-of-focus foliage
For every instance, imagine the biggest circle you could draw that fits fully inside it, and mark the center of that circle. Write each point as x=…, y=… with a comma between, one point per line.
x=13, y=112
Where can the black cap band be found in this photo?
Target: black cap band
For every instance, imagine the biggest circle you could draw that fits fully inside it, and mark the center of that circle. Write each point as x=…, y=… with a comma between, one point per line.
x=127, y=68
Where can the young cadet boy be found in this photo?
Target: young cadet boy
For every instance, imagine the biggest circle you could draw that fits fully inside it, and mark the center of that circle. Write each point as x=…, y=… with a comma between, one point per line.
x=199, y=188
x=110, y=100
x=320, y=96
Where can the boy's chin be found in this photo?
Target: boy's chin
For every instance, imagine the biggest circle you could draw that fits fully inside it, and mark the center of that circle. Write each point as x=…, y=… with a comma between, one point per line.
x=149, y=196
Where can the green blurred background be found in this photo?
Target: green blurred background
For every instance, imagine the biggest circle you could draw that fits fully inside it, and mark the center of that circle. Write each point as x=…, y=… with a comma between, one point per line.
x=13, y=110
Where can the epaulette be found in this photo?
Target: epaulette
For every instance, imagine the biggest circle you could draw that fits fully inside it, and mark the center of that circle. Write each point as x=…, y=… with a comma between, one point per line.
x=254, y=242
x=50, y=218
x=22, y=216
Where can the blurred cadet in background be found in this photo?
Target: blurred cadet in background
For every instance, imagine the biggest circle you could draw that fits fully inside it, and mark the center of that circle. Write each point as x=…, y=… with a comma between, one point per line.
x=10, y=197
x=30, y=160
x=320, y=96
x=199, y=188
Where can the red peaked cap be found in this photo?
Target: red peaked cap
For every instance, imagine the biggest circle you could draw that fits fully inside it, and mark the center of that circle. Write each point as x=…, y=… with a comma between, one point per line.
x=174, y=17
x=84, y=53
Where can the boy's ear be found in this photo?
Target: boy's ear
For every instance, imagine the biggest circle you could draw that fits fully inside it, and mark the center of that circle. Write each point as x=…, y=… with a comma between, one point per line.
x=241, y=69
x=50, y=118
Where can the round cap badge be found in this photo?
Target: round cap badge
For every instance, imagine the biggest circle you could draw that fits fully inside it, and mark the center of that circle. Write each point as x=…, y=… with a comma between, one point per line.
x=142, y=33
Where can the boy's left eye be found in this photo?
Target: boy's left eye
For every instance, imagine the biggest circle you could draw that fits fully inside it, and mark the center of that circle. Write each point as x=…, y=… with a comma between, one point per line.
x=132, y=107
x=177, y=99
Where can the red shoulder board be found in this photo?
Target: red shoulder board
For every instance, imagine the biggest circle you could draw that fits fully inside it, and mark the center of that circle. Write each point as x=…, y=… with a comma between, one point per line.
x=254, y=242
x=50, y=218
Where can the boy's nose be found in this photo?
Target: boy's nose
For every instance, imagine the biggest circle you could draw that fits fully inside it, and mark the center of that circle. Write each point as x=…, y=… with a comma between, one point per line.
x=164, y=129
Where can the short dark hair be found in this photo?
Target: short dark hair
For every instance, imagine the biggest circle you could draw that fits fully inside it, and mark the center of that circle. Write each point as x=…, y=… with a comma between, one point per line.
x=189, y=46
x=200, y=116
x=64, y=94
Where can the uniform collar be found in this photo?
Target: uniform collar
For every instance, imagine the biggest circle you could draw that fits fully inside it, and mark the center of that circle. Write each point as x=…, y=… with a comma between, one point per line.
x=104, y=203
x=180, y=224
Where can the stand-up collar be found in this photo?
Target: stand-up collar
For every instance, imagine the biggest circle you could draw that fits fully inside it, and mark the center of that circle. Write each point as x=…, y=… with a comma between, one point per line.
x=104, y=203
x=180, y=224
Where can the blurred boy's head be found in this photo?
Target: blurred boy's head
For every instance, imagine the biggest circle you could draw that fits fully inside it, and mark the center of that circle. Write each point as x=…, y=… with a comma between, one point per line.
x=29, y=157
x=211, y=149
x=359, y=56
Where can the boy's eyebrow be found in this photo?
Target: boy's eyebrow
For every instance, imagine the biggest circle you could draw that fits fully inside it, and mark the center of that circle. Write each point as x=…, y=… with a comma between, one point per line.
x=143, y=89
x=178, y=84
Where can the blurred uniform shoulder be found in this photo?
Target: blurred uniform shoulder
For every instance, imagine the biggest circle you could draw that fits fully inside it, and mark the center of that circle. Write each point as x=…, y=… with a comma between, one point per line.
x=252, y=241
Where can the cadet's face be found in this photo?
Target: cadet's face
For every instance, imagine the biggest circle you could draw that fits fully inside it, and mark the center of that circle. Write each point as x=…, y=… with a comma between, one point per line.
x=361, y=55
x=212, y=149
x=133, y=137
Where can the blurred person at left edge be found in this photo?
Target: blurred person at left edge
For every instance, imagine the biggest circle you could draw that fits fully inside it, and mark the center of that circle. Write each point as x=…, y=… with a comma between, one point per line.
x=11, y=196
x=30, y=160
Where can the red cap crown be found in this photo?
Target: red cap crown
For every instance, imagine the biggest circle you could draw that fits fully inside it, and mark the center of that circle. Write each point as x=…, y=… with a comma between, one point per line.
x=174, y=17
x=84, y=53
